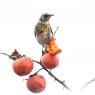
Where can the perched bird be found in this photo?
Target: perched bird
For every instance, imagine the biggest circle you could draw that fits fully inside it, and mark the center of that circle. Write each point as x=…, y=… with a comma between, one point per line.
x=43, y=30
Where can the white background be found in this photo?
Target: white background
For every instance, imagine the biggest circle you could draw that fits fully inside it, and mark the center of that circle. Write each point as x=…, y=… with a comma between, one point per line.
x=76, y=38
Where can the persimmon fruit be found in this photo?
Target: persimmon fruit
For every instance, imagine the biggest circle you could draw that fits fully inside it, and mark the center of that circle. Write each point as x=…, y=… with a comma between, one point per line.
x=50, y=61
x=23, y=66
x=36, y=83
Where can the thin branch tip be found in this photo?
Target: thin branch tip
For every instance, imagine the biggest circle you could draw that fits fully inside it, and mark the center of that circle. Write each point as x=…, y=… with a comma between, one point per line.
x=88, y=83
x=55, y=31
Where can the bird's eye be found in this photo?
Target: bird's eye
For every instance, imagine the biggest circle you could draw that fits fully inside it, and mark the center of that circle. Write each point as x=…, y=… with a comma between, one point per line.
x=45, y=16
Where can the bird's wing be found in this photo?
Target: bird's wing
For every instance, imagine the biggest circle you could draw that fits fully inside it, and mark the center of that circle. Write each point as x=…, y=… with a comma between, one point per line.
x=39, y=28
x=35, y=32
x=42, y=27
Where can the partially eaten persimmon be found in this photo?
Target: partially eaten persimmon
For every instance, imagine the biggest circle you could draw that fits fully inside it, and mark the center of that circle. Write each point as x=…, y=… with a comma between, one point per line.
x=52, y=48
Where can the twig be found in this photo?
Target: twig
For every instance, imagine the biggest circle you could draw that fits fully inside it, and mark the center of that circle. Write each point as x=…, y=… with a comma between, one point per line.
x=38, y=71
x=88, y=83
x=15, y=55
x=52, y=75
x=55, y=31
x=34, y=74
x=5, y=54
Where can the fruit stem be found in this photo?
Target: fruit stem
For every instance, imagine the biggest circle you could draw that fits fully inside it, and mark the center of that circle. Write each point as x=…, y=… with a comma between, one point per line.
x=61, y=82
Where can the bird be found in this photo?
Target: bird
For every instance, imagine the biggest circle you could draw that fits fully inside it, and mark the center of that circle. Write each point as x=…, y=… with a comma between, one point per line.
x=43, y=30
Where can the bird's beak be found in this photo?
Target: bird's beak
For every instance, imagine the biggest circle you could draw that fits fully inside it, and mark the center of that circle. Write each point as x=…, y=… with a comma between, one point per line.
x=51, y=15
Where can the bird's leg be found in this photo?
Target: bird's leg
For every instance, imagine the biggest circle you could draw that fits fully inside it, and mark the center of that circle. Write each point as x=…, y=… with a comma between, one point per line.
x=43, y=51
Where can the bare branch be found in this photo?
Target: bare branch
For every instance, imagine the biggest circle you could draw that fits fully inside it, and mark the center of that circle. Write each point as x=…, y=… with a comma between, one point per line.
x=52, y=75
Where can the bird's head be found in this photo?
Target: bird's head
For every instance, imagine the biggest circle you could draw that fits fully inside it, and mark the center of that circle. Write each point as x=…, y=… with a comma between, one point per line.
x=45, y=17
